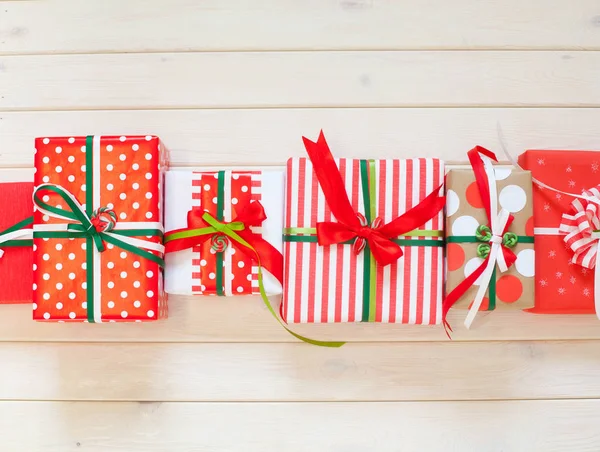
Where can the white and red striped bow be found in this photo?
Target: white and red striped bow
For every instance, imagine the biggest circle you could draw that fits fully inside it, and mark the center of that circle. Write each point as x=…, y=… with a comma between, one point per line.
x=582, y=228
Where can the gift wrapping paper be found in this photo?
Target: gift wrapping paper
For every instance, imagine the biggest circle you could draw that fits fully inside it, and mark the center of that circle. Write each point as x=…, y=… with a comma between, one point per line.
x=72, y=282
x=194, y=271
x=16, y=258
x=332, y=283
x=562, y=287
x=514, y=288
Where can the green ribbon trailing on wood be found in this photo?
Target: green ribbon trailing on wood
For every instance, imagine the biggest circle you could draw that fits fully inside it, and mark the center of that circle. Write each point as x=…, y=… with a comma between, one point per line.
x=368, y=186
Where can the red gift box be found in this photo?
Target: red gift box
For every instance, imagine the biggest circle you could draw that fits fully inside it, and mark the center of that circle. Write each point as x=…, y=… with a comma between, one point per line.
x=562, y=287
x=16, y=278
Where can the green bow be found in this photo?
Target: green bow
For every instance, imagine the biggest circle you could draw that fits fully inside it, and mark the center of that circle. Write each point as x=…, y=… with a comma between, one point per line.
x=483, y=233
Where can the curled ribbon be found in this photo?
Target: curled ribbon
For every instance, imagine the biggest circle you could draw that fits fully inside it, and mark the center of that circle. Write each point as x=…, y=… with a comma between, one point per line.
x=582, y=235
x=17, y=235
x=81, y=225
x=202, y=226
x=348, y=225
x=499, y=239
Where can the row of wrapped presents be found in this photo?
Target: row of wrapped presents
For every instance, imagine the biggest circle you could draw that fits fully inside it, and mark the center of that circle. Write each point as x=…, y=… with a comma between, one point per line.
x=106, y=230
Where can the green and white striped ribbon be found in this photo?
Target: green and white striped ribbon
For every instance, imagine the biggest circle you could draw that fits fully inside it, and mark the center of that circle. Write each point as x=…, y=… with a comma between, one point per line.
x=17, y=235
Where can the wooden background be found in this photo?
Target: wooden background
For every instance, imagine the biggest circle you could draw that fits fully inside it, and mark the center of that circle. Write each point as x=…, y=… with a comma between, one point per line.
x=238, y=82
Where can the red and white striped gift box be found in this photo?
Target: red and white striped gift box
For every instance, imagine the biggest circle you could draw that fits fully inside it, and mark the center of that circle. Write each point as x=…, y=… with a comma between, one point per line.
x=193, y=271
x=324, y=284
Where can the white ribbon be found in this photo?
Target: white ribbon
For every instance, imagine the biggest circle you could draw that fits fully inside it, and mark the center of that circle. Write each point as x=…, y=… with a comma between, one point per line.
x=498, y=224
x=19, y=234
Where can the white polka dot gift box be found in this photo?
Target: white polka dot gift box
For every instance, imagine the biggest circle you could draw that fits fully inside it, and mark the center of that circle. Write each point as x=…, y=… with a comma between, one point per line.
x=210, y=218
x=98, y=252
x=489, y=237
x=363, y=239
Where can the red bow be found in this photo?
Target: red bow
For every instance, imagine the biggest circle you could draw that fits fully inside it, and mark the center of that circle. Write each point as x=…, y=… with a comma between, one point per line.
x=253, y=214
x=348, y=225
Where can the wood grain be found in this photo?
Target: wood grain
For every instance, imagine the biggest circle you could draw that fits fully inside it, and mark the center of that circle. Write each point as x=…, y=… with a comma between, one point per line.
x=270, y=137
x=300, y=79
x=535, y=426
x=245, y=319
x=65, y=26
x=299, y=372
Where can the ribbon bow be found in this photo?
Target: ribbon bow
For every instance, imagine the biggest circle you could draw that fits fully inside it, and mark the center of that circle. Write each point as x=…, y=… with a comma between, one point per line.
x=202, y=226
x=349, y=225
x=582, y=229
x=497, y=250
x=96, y=227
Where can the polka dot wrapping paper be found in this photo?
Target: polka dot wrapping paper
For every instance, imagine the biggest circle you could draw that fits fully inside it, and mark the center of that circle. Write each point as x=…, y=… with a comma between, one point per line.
x=123, y=175
x=17, y=256
x=219, y=266
x=514, y=288
x=562, y=287
x=335, y=283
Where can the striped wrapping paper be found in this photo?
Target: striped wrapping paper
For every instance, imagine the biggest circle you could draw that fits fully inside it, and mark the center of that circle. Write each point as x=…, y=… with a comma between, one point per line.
x=194, y=271
x=332, y=284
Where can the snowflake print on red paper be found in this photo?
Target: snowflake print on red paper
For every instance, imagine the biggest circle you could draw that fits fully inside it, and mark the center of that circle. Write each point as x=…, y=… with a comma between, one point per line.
x=584, y=271
x=552, y=254
x=543, y=282
x=562, y=291
x=546, y=207
x=571, y=183
x=586, y=292
x=541, y=162
x=558, y=196
x=595, y=167
x=558, y=275
x=572, y=280
x=568, y=169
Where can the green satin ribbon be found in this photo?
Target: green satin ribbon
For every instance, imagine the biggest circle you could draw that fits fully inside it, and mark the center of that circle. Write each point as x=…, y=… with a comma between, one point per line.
x=229, y=229
x=20, y=225
x=476, y=239
x=368, y=176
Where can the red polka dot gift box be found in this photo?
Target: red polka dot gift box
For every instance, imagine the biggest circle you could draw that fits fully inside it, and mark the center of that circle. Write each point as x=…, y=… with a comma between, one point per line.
x=224, y=232
x=16, y=234
x=566, y=225
x=489, y=235
x=98, y=229
x=363, y=239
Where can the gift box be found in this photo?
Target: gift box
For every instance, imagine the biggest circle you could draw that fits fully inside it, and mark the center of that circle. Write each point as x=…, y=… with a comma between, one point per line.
x=467, y=247
x=98, y=229
x=563, y=285
x=353, y=280
x=217, y=264
x=16, y=240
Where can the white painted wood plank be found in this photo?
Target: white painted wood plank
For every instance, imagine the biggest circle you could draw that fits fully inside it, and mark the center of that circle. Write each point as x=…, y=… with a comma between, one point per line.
x=244, y=319
x=62, y=26
x=264, y=136
x=299, y=372
x=305, y=79
x=515, y=426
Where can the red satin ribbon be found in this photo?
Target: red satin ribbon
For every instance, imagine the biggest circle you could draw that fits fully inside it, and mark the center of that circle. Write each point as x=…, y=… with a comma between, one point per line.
x=482, y=180
x=348, y=225
x=253, y=214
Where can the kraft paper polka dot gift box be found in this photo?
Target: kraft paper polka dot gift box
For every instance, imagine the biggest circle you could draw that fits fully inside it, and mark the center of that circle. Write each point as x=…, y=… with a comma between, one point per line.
x=98, y=253
x=204, y=255
x=488, y=204
x=16, y=236
x=363, y=239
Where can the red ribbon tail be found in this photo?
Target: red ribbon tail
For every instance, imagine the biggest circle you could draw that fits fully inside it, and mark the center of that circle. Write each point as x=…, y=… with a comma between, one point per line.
x=270, y=258
x=481, y=176
x=460, y=290
x=415, y=217
x=383, y=249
